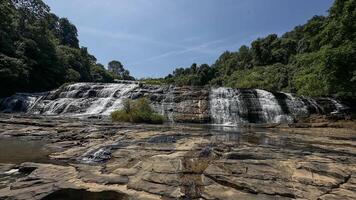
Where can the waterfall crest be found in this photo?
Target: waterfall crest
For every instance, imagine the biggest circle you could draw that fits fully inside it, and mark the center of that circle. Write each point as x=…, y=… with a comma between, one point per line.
x=178, y=104
x=234, y=106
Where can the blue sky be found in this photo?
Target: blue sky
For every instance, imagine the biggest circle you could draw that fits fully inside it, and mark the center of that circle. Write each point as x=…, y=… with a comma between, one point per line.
x=153, y=37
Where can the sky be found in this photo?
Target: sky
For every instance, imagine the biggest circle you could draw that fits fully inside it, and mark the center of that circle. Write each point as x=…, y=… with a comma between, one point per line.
x=153, y=37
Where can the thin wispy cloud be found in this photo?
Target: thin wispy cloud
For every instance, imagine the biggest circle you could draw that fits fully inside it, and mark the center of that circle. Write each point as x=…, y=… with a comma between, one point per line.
x=151, y=37
x=202, y=48
x=190, y=39
x=124, y=36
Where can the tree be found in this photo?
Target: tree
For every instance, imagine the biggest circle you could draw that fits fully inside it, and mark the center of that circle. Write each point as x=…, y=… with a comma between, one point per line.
x=315, y=59
x=32, y=9
x=67, y=33
x=7, y=27
x=118, y=70
x=262, y=50
x=99, y=74
x=244, y=57
x=40, y=51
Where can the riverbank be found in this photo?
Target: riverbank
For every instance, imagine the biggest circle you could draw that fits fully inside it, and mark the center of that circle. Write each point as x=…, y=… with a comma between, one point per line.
x=91, y=156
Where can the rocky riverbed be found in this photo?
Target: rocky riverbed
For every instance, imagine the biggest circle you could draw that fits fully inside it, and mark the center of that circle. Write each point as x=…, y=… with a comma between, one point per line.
x=98, y=159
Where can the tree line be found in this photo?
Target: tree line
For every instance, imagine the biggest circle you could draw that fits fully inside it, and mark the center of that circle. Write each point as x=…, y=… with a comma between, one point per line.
x=40, y=51
x=315, y=59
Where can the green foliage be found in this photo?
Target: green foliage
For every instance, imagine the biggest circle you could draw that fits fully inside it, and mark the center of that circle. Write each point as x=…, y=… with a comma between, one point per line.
x=76, y=59
x=153, y=81
x=138, y=111
x=12, y=70
x=40, y=51
x=99, y=74
x=72, y=75
x=67, y=33
x=315, y=59
x=194, y=76
x=273, y=78
x=328, y=71
x=118, y=71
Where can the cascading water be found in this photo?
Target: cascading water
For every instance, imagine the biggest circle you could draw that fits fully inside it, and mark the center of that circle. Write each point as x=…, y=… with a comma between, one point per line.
x=182, y=104
x=339, y=107
x=235, y=106
x=271, y=109
x=90, y=99
x=76, y=99
x=226, y=106
x=112, y=99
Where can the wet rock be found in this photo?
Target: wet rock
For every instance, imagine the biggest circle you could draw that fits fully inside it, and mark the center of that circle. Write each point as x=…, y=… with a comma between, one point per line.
x=184, y=162
x=178, y=104
x=93, y=174
x=99, y=155
x=6, y=167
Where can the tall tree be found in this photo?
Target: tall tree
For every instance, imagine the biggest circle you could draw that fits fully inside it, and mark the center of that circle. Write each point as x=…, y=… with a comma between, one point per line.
x=68, y=33
x=40, y=51
x=118, y=70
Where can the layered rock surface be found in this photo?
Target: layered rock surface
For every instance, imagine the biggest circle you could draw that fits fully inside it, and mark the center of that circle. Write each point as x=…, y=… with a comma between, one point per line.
x=177, y=104
x=182, y=162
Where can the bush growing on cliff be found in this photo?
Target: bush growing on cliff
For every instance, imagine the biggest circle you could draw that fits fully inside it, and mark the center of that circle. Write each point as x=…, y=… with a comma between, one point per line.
x=138, y=111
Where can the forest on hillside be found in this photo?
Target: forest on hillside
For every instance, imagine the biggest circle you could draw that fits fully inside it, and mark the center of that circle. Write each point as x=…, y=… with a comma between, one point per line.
x=315, y=59
x=40, y=51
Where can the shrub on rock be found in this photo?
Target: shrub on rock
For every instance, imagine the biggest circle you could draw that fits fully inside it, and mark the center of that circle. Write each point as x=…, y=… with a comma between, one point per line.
x=137, y=111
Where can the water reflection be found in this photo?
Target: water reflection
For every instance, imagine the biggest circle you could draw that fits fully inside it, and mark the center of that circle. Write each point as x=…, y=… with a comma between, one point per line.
x=73, y=194
x=245, y=135
x=16, y=151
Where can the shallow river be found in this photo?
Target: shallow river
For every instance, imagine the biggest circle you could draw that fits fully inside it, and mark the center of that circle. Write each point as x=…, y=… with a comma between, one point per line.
x=16, y=151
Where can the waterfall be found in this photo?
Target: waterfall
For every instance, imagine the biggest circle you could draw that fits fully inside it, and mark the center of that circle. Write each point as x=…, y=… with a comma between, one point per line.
x=178, y=104
x=339, y=107
x=271, y=109
x=297, y=106
x=227, y=106
x=110, y=99
x=20, y=102
x=79, y=99
x=236, y=106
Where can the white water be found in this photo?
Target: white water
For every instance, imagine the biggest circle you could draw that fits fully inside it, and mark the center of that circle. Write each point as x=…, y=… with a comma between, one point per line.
x=271, y=110
x=226, y=106
x=233, y=106
x=296, y=106
x=86, y=99
x=99, y=155
x=339, y=106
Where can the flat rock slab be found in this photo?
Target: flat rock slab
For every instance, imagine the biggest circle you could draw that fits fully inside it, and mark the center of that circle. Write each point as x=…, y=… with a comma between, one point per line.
x=180, y=162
